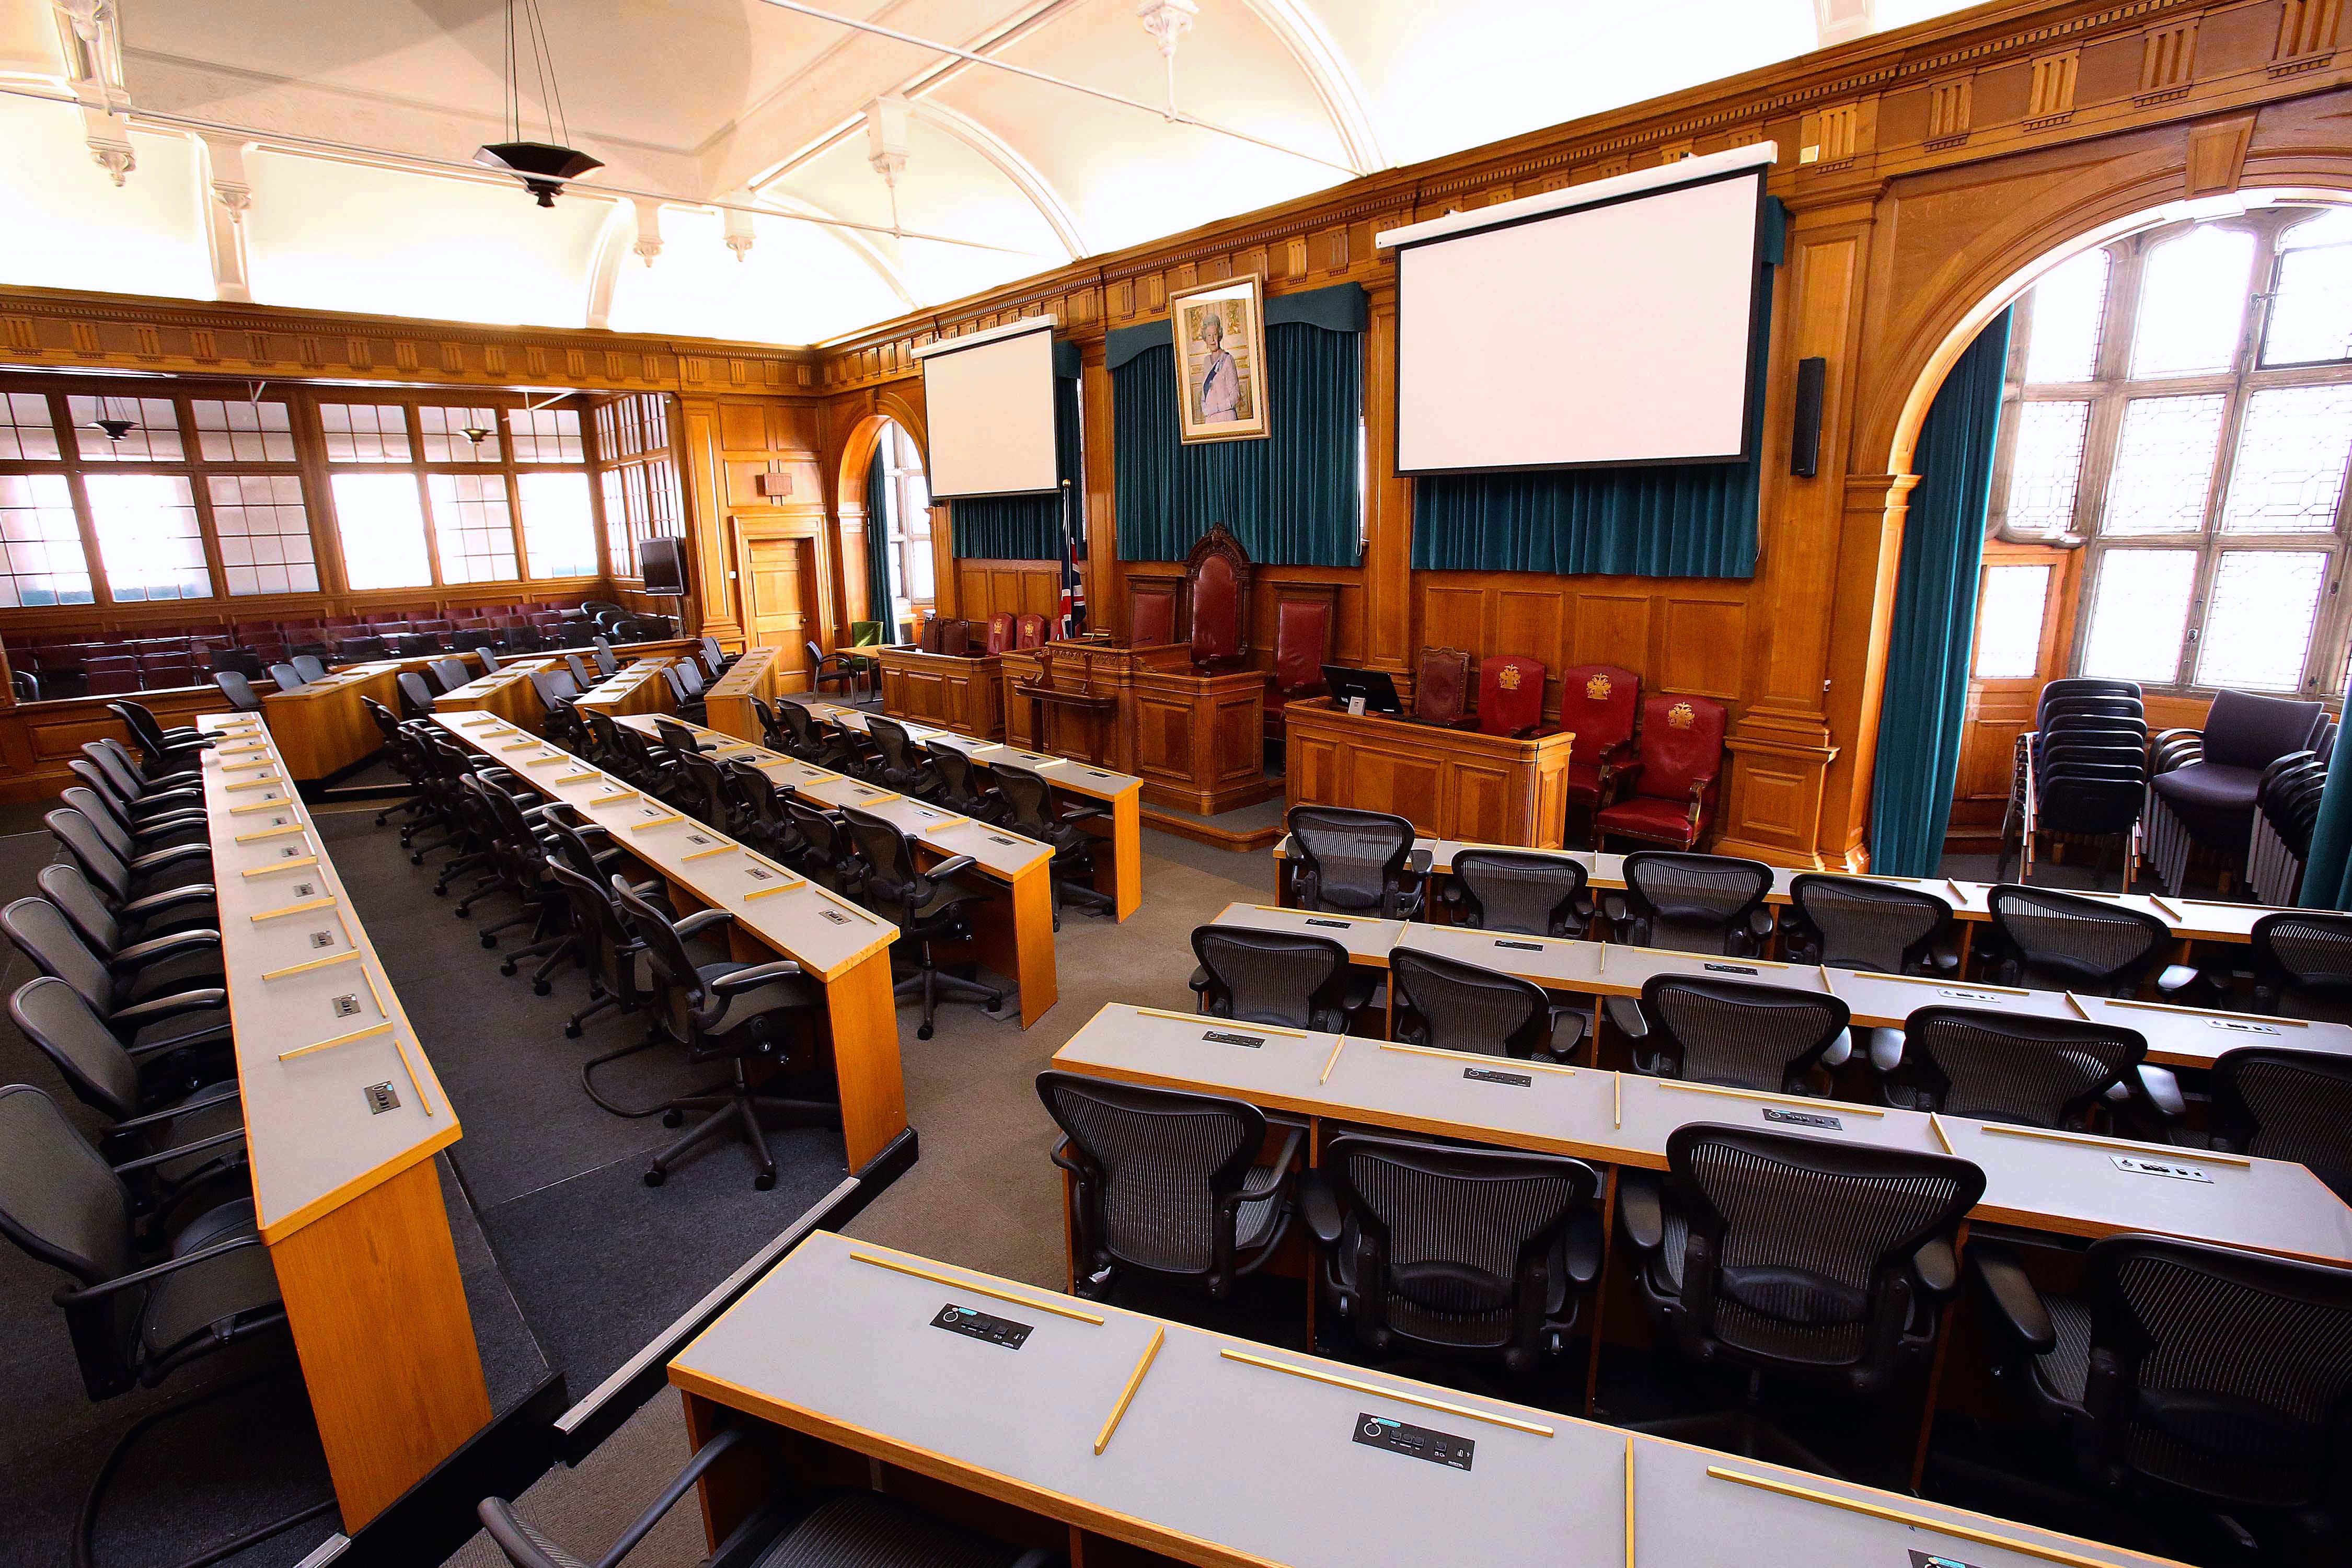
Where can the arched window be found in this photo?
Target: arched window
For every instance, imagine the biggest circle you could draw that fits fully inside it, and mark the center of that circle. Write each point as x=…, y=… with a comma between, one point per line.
x=907, y=495
x=2180, y=404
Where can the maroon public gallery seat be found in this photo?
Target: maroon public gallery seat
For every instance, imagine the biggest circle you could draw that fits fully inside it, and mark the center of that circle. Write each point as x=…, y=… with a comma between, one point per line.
x=1667, y=794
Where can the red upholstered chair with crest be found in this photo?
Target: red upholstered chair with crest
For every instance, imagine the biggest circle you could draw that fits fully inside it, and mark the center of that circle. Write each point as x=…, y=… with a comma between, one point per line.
x=999, y=631
x=1152, y=618
x=1666, y=795
x=1510, y=695
x=1030, y=631
x=1217, y=584
x=1598, y=703
x=1302, y=640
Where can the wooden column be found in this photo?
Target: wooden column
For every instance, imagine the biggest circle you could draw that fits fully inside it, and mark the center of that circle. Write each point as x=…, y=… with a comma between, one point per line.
x=1389, y=640
x=711, y=556
x=1106, y=578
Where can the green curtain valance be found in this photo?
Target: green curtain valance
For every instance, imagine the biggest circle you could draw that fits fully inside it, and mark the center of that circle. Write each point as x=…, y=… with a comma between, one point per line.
x=1029, y=528
x=1338, y=309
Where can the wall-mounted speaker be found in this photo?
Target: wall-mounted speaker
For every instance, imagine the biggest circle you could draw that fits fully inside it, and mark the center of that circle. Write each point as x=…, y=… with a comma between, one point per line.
x=1805, y=439
x=664, y=565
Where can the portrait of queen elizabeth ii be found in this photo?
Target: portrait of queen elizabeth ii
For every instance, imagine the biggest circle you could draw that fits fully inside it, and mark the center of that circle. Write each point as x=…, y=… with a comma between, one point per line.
x=1221, y=355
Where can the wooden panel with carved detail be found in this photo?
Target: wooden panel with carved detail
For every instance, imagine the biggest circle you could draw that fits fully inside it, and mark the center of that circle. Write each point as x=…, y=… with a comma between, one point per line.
x=1453, y=783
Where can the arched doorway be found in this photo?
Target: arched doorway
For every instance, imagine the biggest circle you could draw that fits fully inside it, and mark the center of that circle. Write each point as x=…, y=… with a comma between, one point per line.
x=886, y=507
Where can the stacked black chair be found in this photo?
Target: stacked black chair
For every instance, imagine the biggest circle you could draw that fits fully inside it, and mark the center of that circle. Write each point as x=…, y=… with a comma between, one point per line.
x=905, y=767
x=2080, y=773
x=1515, y=891
x=2203, y=783
x=2287, y=811
x=140, y=1305
x=1468, y=1255
x=736, y=1013
x=837, y=1530
x=1685, y=903
x=2198, y=1384
x=1355, y=862
x=961, y=787
x=1765, y=1038
x=1290, y=979
x=2006, y=1067
x=1804, y=1259
x=927, y=906
x=1035, y=809
x=1181, y=1187
x=1450, y=1006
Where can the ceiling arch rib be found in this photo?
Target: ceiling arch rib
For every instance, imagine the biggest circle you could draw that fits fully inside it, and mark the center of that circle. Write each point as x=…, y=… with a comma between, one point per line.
x=1007, y=161
x=1334, y=78
x=856, y=239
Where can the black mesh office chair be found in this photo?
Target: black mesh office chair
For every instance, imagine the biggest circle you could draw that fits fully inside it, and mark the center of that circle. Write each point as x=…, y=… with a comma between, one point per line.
x=132, y=837
x=449, y=674
x=685, y=680
x=488, y=654
x=404, y=751
x=804, y=741
x=1766, y=1038
x=309, y=667
x=1800, y=1258
x=2303, y=965
x=2193, y=1379
x=579, y=672
x=2057, y=941
x=107, y=929
x=1035, y=809
x=738, y=1012
x=1179, y=1186
x=185, y=957
x=1685, y=903
x=603, y=653
x=2283, y=1104
x=1462, y=1254
x=159, y=746
x=1355, y=862
x=184, y=1106
x=416, y=693
x=905, y=767
x=1850, y=923
x=104, y=767
x=129, y=881
x=1451, y=1006
x=961, y=789
x=1509, y=890
x=238, y=690
x=767, y=824
x=928, y=907
x=831, y=1530
x=828, y=857
x=136, y=1308
x=139, y=778
x=2006, y=1067
x=556, y=695
x=288, y=677
x=715, y=798
x=131, y=996
x=605, y=946
x=1290, y=979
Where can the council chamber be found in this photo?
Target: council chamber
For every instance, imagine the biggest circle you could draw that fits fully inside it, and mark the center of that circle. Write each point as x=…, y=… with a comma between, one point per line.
x=1058, y=783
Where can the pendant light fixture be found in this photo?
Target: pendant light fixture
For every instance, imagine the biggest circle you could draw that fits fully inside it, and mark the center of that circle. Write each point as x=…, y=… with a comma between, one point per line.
x=541, y=166
x=114, y=430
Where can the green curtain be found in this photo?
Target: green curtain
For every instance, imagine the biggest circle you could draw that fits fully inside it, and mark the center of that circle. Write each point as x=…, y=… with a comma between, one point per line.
x=2328, y=869
x=1029, y=528
x=877, y=547
x=1696, y=520
x=1926, y=691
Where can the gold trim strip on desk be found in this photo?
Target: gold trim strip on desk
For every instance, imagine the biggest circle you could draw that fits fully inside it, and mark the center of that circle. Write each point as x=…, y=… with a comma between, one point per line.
x=259, y=805
x=1509, y=1063
x=242, y=767
x=1213, y=1020
x=707, y=853
x=2171, y=912
x=1628, y=1501
x=273, y=833
x=327, y=903
x=1948, y=984
x=1936, y=1125
x=280, y=866
x=2123, y=1145
x=253, y=783
x=576, y=778
x=2080, y=1011
x=1957, y=1530
x=1333, y=1061
x=1617, y=1100
x=938, y=1279
x=368, y=1032
x=657, y=821
x=1805, y=1100
x=327, y=962
x=2199, y=1012
x=1314, y=1374
x=1134, y=1381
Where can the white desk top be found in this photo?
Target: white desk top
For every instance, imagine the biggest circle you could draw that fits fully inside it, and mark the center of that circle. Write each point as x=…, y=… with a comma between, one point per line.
x=819, y=930
x=1078, y=778
x=747, y=675
x=314, y=1139
x=615, y=687
x=499, y=680
x=846, y=1348
x=2067, y=1185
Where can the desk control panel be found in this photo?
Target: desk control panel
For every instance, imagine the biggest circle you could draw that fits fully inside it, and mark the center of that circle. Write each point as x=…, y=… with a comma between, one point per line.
x=1495, y=1075
x=1804, y=1119
x=1229, y=1037
x=1414, y=1442
x=979, y=1325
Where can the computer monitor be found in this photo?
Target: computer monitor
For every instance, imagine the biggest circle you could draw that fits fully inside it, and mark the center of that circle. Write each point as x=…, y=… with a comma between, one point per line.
x=1374, y=686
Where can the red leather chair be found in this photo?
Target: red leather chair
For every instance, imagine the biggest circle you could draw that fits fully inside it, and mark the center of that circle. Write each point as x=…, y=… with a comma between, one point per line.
x=1302, y=639
x=1510, y=695
x=999, y=631
x=1597, y=705
x=1030, y=631
x=1667, y=794
x=1152, y=617
x=955, y=640
x=1217, y=582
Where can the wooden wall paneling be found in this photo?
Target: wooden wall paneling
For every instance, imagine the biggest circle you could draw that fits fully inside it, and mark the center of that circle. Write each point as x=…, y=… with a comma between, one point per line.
x=710, y=554
x=1388, y=510
x=1102, y=571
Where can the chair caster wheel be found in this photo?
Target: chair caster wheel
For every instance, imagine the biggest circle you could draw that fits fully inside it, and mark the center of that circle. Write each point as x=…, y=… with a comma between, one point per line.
x=506, y=968
x=539, y=987
x=765, y=1180
x=490, y=940
x=571, y=1031
x=655, y=1177
x=416, y=860
x=439, y=891
x=673, y=1119
x=924, y=1033
x=995, y=1002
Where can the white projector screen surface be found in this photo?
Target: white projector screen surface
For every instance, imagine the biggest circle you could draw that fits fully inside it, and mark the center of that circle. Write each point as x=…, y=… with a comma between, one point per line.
x=1603, y=334
x=990, y=411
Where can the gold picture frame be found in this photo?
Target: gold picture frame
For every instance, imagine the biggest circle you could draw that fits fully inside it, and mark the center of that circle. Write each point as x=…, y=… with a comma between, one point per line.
x=1219, y=332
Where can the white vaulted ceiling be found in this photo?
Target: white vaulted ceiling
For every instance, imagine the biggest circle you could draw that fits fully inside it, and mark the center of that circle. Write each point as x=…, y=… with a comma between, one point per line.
x=335, y=125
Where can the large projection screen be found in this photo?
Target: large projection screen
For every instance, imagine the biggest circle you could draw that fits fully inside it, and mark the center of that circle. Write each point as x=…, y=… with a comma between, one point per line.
x=1614, y=330
x=990, y=407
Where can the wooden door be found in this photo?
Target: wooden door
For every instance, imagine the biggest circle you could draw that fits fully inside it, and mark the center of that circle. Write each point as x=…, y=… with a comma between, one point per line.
x=777, y=608
x=2025, y=608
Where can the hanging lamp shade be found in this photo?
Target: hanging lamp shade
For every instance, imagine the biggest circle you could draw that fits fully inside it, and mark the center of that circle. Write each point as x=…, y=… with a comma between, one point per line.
x=115, y=430
x=541, y=166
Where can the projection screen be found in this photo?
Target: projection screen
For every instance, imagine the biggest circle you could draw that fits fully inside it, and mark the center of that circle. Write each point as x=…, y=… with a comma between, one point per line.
x=989, y=401
x=1609, y=323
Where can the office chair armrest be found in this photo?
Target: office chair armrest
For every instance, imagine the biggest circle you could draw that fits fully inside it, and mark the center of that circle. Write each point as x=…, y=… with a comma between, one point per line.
x=1625, y=1012
x=1082, y=813
x=140, y=954
x=1280, y=1165
x=1060, y=1155
x=1614, y=908
x=2177, y=978
x=1418, y=862
x=74, y=1295
x=163, y=824
x=1584, y=1246
x=1318, y=1205
x=1761, y=923
x=695, y=924
x=152, y=904
x=1944, y=960
x=213, y=1034
x=155, y=1009
x=163, y=794
x=1936, y=1268
x=2171, y=749
x=1641, y=1209
x=1567, y=1027
x=156, y=1118
x=1200, y=982
x=168, y=1155
x=2014, y=1299
x=156, y=859
x=500, y=1522
x=2158, y=1092
x=752, y=979
x=947, y=868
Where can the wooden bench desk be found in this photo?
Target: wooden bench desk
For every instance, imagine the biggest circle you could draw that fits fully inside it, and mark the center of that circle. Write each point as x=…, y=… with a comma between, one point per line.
x=508, y=691
x=846, y=949
x=1013, y=936
x=323, y=729
x=758, y=673
x=342, y=1116
x=639, y=688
